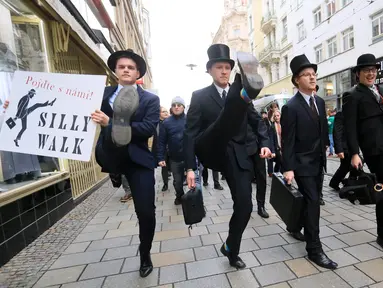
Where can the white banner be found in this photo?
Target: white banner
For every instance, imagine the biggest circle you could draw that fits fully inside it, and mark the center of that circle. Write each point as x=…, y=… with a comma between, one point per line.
x=49, y=114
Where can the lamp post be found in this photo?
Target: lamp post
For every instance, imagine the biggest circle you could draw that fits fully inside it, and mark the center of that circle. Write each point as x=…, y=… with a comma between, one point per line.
x=191, y=66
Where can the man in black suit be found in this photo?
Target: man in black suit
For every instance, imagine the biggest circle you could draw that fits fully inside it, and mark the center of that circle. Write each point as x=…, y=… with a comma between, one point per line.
x=128, y=118
x=304, y=140
x=216, y=131
x=363, y=122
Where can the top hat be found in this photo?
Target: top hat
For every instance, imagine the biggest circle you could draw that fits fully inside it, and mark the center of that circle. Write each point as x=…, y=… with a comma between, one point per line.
x=219, y=53
x=316, y=88
x=298, y=63
x=365, y=60
x=140, y=62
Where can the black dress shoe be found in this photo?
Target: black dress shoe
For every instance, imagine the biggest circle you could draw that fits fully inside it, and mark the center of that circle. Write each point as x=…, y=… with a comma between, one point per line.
x=262, y=212
x=379, y=240
x=251, y=80
x=205, y=184
x=146, y=266
x=223, y=178
x=321, y=202
x=178, y=201
x=322, y=260
x=218, y=187
x=298, y=235
x=234, y=261
x=165, y=187
x=334, y=186
x=116, y=180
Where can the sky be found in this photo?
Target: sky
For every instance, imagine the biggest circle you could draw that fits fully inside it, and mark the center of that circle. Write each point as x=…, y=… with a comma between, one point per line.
x=181, y=34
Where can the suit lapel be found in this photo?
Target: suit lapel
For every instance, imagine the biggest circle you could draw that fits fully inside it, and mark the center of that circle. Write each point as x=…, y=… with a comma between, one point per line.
x=307, y=108
x=215, y=95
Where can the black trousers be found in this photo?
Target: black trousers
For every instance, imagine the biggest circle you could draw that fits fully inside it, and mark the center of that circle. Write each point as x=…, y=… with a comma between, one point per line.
x=213, y=151
x=165, y=170
x=205, y=176
x=259, y=166
x=310, y=187
x=142, y=182
x=178, y=169
x=375, y=164
x=341, y=172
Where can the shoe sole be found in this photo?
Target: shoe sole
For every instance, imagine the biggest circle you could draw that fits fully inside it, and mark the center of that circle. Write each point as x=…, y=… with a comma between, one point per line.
x=252, y=82
x=124, y=107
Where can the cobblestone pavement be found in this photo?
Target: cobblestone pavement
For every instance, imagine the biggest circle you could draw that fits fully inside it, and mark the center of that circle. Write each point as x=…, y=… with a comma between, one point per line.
x=101, y=251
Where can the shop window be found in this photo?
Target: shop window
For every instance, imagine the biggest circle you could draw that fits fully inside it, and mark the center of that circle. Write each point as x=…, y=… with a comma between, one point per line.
x=22, y=47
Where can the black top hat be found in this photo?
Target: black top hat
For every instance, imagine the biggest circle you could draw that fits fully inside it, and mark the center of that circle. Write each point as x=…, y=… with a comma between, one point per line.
x=298, y=63
x=219, y=53
x=365, y=60
x=316, y=88
x=140, y=62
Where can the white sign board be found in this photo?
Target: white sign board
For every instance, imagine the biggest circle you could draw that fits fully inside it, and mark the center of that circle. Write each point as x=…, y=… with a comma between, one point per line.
x=49, y=114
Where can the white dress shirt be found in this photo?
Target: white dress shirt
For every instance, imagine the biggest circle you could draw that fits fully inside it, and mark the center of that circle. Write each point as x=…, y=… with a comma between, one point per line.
x=220, y=90
x=113, y=97
x=307, y=99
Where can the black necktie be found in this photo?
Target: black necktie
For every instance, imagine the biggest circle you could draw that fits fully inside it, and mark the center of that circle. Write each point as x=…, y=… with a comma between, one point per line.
x=224, y=96
x=313, y=108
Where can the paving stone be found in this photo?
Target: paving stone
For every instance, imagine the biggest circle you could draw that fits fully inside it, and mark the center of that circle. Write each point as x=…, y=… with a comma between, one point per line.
x=327, y=279
x=221, y=219
x=120, y=252
x=92, y=283
x=224, y=212
x=128, y=224
x=100, y=227
x=378, y=285
x=95, y=221
x=353, y=216
x=361, y=224
x=173, y=273
x=109, y=243
x=102, y=269
x=60, y=276
x=333, y=243
x=173, y=257
x=269, y=241
x=120, y=218
x=175, y=226
x=296, y=250
x=208, y=267
x=247, y=234
x=248, y=245
x=214, y=228
x=179, y=244
x=131, y=280
x=288, y=238
x=326, y=232
x=168, y=212
x=249, y=259
x=354, y=277
x=210, y=239
x=273, y=273
x=341, y=257
x=115, y=233
x=199, y=230
x=242, y=279
x=76, y=247
x=205, y=252
x=171, y=234
x=356, y=238
x=364, y=252
x=106, y=214
x=301, y=267
x=279, y=285
x=340, y=228
x=207, y=282
x=338, y=218
x=84, y=237
x=268, y=230
x=272, y=255
x=78, y=259
x=372, y=268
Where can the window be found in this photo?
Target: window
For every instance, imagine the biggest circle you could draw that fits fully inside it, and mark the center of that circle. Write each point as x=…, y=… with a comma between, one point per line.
x=286, y=60
x=277, y=71
x=332, y=47
x=317, y=16
x=250, y=22
x=318, y=54
x=377, y=25
x=330, y=6
x=301, y=31
x=284, y=27
x=236, y=32
x=346, y=2
x=348, y=39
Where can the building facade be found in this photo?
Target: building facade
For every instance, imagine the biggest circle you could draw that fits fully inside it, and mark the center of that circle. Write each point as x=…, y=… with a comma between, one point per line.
x=61, y=36
x=333, y=34
x=233, y=30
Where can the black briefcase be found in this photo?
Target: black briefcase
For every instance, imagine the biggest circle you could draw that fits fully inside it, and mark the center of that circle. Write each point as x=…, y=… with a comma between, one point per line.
x=10, y=123
x=192, y=206
x=287, y=202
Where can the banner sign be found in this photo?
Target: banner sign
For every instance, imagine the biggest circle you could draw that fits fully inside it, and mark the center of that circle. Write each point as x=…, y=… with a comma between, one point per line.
x=49, y=114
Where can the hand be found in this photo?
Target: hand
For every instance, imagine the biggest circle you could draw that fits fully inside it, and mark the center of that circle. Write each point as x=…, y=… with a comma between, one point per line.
x=265, y=152
x=341, y=155
x=356, y=162
x=162, y=163
x=190, y=179
x=6, y=104
x=273, y=155
x=289, y=177
x=100, y=118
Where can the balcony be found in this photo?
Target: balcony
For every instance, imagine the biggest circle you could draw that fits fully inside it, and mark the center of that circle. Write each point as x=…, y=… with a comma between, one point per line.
x=269, y=22
x=270, y=54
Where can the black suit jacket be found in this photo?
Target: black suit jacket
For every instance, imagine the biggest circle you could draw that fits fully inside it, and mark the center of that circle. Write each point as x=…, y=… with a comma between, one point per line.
x=363, y=121
x=143, y=123
x=339, y=133
x=258, y=137
x=304, y=138
x=205, y=107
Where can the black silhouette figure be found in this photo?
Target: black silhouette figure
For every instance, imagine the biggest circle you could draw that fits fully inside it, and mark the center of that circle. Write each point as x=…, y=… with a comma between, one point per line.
x=23, y=111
